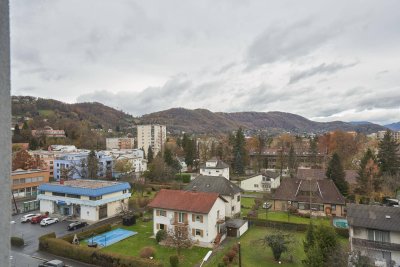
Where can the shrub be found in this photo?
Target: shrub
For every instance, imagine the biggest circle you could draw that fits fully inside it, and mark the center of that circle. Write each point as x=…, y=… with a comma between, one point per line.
x=225, y=259
x=231, y=255
x=342, y=232
x=235, y=247
x=184, y=177
x=88, y=233
x=253, y=214
x=161, y=235
x=147, y=252
x=17, y=241
x=221, y=264
x=174, y=260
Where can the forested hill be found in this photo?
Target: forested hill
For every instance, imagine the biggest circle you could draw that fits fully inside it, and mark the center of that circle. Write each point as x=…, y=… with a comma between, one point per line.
x=58, y=114
x=205, y=121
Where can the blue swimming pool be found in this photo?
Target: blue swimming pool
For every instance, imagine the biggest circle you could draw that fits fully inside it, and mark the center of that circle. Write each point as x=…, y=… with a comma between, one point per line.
x=340, y=223
x=111, y=237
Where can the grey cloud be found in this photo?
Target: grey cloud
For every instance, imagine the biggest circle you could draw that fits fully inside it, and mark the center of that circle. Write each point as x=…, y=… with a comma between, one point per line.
x=286, y=43
x=225, y=68
x=321, y=69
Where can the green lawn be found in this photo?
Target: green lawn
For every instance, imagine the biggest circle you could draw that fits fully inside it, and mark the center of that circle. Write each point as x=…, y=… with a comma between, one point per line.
x=133, y=245
x=278, y=215
x=255, y=254
x=46, y=112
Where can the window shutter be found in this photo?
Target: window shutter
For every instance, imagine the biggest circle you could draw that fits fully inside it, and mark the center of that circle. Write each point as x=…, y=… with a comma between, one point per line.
x=176, y=217
x=201, y=233
x=158, y=212
x=186, y=220
x=193, y=218
x=158, y=226
x=193, y=232
x=201, y=218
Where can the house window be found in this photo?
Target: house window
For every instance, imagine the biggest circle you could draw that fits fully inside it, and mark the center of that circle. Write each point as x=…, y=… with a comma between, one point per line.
x=181, y=217
x=238, y=198
x=199, y=218
x=162, y=226
x=162, y=213
x=333, y=207
x=256, y=185
x=197, y=232
x=96, y=198
x=376, y=235
x=124, y=191
x=233, y=208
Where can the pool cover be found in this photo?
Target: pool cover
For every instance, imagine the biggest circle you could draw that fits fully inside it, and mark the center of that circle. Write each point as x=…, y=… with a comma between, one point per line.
x=111, y=237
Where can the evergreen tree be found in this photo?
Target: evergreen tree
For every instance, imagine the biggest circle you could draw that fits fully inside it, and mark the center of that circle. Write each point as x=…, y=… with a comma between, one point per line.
x=368, y=175
x=239, y=152
x=292, y=161
x=310, y=238
x=92, y=165
x=313, y=151
x=388, y=159
x=189, y=148
x=168, y=156
x=336, y=172
x=150, y=155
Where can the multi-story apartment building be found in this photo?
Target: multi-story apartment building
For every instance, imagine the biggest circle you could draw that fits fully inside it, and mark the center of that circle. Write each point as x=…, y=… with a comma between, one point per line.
x=89, y=200
x=26, y=182
x=198, y=215
x=375, y=232
x=151, y=135
x=48, y=132
x=47, y=157
x=216, y=184
x=395, y=135
x=72, y=165
x=215, y=167
x=120, y=143
x=134, y=156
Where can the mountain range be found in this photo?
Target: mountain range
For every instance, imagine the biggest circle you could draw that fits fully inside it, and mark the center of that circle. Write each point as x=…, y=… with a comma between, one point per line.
x=177, y=120
x=394, y=126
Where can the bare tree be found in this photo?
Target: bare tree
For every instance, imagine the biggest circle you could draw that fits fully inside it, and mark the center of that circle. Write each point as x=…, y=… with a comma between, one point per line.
x=179, y=237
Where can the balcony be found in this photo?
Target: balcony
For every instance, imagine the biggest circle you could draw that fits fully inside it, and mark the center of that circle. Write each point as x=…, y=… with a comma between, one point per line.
x=375, y=244
x=220, y=220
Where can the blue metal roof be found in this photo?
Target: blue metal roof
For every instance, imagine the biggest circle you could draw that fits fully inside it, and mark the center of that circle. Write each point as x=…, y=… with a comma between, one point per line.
x=59, y=188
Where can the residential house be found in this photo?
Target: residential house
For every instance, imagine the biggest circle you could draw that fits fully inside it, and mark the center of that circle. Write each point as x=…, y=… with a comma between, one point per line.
x=89, y=200
x=182, y=163
x=375, y=232
x=265, y=182
x=216, y=184
x=322, y=196
x=215, y=167
x=201, y=215
x=48, y=132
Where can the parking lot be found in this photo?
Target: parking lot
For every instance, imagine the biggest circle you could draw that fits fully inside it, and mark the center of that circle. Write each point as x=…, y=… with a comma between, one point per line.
x=31, y=233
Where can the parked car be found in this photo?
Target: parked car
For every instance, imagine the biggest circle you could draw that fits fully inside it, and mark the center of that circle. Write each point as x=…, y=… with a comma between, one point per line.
x=76, y=225
x=27, y=217
x=38, y=218
x=266, y=205
x=52, y=263
x=47, y=221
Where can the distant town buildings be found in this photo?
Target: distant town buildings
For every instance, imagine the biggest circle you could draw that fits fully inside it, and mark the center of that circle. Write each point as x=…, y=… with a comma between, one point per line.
x=151, y=135
x=89, y=200
x=48, y=132
x=120, y=143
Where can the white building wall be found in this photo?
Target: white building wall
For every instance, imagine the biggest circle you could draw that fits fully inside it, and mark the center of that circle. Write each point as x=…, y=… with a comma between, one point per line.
x=89, y=213
x=46, y=205
x=252, y=184
x=232, y=202
x=213, y=218
x=144, y=137
x=215, y=172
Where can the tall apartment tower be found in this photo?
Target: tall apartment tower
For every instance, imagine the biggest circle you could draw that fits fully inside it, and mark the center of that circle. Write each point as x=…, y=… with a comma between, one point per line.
x=154, y=135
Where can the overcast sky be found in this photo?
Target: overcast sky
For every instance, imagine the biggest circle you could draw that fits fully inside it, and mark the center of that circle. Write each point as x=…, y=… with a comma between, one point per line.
x=325, y=60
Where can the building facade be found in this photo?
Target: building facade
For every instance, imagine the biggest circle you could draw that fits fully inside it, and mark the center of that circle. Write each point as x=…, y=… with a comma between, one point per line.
x=88, y=200
x=48, y=132
x=25, y=182
x=261, y=183
x=151, y=135
x=199, y=215
x=215, y=167
x=120, y=143
x=375, y=232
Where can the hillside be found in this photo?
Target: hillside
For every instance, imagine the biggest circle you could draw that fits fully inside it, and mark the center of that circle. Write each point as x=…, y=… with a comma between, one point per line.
x=58, y=114
x=205, y=121
x=52, y=112
x=394, y=126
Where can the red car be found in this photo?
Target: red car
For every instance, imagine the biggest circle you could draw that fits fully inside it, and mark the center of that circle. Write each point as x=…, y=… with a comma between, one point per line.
x=38, y=219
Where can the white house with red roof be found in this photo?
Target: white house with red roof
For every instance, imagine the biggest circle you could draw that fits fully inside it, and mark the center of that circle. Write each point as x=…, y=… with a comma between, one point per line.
x=202, y=213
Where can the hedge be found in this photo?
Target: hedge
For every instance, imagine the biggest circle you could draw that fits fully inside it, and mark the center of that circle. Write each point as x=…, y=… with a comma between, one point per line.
x=185, y=177
x=94, y=256
x=16, y=241
x=291, y=226
x=88, y=233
